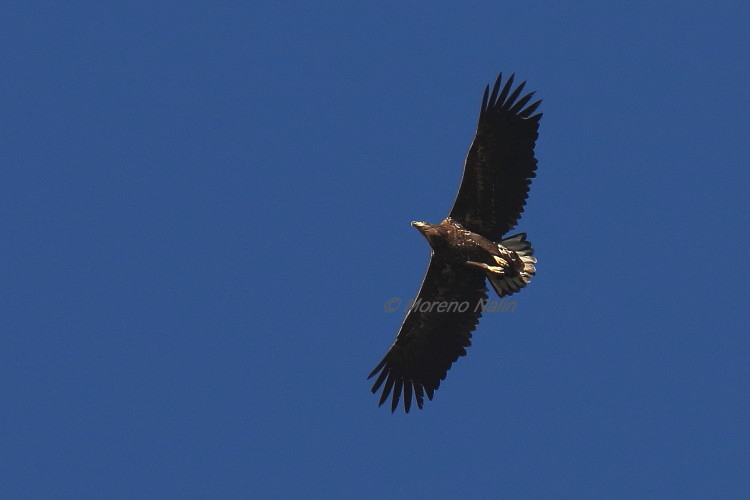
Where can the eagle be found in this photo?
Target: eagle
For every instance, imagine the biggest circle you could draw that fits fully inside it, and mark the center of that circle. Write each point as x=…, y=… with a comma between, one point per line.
x=468, y=249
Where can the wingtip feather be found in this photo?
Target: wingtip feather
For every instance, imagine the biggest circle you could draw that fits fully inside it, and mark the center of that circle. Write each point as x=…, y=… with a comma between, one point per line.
x=387, y=389
x=521, y=103
x=379, y=381
x=407, y=395
x=397, y=387
x=530, y=109
x=378, y=368
x=512, y=98
x=419, y=395
x=495, y=88
x=506, y=89
x=484, y=100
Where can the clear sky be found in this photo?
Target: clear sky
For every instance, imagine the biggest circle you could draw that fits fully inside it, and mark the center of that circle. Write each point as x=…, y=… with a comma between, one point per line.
x=205, y=207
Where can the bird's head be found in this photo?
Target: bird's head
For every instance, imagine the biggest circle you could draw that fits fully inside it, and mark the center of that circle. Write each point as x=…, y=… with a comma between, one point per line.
x=429, y=231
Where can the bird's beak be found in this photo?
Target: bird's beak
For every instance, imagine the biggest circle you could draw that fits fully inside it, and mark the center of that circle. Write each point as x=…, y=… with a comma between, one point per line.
x=422, y=227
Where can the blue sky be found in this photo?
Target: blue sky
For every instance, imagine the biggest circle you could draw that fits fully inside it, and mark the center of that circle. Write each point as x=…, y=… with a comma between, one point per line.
x=205, y=208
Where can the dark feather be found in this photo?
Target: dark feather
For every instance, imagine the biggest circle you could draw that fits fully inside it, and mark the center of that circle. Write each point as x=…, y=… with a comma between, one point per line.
x=430, y=392
x=527, y=112
x=520, y=104
x=514, y=96
x=407, y=394
x=495, y=88
x=505, y=91
x=387, y=388
x=397, y=394
x=419, y=394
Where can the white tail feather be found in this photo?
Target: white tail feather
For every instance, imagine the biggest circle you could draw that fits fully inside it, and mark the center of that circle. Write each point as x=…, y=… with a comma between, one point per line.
x=514, y=279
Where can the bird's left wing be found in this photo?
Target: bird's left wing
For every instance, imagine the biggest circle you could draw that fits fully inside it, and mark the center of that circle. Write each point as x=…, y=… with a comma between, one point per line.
x=435, y=333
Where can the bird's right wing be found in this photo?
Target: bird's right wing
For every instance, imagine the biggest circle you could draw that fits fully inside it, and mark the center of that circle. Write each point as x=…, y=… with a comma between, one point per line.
x=500, y=163
x=432, y=336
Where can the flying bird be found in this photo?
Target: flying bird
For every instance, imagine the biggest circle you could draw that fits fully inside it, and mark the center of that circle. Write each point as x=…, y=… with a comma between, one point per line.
x=468, y=249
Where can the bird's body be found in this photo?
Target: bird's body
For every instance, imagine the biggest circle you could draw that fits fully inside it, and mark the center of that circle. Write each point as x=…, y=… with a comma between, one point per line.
x=468, y=249
x=453, y=243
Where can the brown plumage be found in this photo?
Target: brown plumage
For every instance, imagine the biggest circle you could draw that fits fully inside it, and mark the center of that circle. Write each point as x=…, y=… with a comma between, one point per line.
x=467, y=249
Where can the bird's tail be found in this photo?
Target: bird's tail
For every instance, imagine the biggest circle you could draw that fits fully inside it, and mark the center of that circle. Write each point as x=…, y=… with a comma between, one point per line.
x=515, y=277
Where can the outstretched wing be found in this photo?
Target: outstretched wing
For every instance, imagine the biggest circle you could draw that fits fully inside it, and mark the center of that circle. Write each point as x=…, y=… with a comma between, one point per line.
x=500, y=163
x=436, y=331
